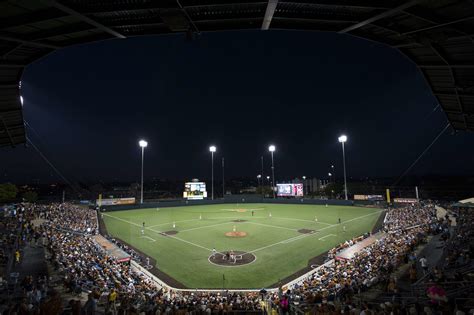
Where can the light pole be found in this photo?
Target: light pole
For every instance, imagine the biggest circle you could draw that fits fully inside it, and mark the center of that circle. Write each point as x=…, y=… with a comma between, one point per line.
x=271, y=148
x=143, y=144
x=342, y=139
x=304, y=183
x=223, y=182
x=333, y=172
x=212, y=149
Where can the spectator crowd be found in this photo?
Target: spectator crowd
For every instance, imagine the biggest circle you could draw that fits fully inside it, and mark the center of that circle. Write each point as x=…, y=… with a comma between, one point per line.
x=115, y=288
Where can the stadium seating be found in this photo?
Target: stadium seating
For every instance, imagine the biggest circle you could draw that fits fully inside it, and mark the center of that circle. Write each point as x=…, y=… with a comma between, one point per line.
x=66, y=232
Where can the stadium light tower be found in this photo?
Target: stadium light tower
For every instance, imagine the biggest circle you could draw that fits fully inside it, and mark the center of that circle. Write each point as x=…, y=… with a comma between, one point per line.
x=272, y=148
x=342, y=139
x=304, y=183
x=143, y=144
x=212, y=149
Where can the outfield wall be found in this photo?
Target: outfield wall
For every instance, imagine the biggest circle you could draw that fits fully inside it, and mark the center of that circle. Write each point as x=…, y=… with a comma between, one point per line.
x=233, y=199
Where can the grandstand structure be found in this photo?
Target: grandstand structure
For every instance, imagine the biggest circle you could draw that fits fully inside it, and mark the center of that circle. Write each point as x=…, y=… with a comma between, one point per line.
x=436, y=35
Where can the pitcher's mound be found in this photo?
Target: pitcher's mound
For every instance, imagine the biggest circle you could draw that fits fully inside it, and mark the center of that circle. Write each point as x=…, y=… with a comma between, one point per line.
x=166, y=233
x=241, y=210
x=239, y=220
x=240, y=258
x=236, y=234
x=306, y=231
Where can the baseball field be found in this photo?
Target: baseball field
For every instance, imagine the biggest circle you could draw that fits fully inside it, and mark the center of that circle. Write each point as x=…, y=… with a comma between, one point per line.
x=267, y=242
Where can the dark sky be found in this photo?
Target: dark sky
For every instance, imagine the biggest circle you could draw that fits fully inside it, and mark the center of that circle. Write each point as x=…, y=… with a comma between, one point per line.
x=88, y=106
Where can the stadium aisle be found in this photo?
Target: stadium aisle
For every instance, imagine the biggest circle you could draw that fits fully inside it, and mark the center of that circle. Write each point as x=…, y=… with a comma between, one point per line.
x=32, y=263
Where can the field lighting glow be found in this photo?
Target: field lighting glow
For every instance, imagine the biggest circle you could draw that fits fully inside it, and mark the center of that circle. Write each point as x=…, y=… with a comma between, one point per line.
x=142, y=143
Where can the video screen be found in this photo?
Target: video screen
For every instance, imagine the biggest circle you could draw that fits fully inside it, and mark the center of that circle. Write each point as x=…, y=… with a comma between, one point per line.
x=195, y=190
x=290, y=190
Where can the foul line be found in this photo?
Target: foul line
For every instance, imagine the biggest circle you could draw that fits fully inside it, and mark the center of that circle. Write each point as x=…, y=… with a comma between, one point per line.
x=206, y=226
x=293, y=239
x=321, y=238
x=120, y=219
x=273, y=226
x=159, y=233
x=203, y=219
x=147, y=237
x=293, y=219
x=172, y=222
x=307, y=235
x=180, y=239
x=246, y=209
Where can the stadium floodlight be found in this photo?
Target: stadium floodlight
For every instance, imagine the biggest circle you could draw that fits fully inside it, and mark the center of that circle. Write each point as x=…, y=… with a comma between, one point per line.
x=212, y=149
x=272, y=148
x=143, y=144
x=329, y=174
x=342, y=139
x=258, y=179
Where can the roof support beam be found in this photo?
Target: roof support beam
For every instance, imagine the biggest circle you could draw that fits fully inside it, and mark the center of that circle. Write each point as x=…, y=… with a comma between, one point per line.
x=267, y=19
x=437, y=50
x=446, y=66
x=438, y=25
x=58, y=31
x=8, y=85
x=4, y=54
x=11, y=65
x=188, y=17
x=380, y=16
x=27, y=42
x=5, y=127
x=30, y=18
x=429, y=17
x=453, y=94
x=84, y=18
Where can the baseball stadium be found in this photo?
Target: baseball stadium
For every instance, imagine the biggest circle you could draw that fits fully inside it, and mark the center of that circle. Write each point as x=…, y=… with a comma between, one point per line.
x=273, y=242
x=262, y=234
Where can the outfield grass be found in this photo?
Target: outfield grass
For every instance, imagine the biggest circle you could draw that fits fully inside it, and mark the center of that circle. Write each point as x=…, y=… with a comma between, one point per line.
x=185, y=255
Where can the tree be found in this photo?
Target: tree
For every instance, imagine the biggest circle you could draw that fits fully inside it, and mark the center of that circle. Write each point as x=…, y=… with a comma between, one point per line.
x=264, y=190
x=8, y=192
x=333, y=189
x=30, y=196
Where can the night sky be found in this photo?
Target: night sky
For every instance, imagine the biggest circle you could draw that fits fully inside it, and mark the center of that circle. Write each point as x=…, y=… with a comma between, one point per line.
x=88, y=105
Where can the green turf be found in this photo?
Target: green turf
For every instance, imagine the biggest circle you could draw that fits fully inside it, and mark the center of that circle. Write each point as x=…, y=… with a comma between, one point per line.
x=185, y=257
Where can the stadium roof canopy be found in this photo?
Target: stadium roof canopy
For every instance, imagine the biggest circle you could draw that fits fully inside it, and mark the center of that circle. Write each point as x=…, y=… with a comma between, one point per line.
x=436, y=34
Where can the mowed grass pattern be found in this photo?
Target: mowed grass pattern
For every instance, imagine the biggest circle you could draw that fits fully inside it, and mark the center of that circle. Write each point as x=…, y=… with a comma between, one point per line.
x=280, y=249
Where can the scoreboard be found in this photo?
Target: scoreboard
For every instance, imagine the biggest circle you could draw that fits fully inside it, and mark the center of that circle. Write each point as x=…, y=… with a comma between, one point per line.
x=194, y=190
x=290, y=190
